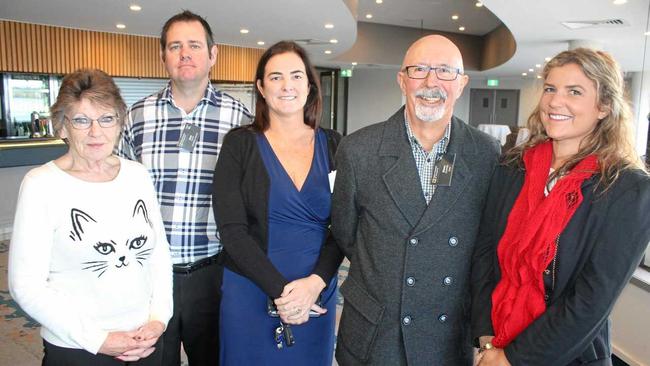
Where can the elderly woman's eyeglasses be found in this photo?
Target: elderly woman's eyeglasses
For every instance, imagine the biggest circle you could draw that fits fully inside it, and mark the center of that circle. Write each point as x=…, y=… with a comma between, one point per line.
x=84, y=123
x=445, y=73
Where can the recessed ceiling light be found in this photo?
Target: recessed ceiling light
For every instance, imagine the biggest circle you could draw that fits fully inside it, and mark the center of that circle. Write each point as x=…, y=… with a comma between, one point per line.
x=334, y=40
x=538, y=66
x=539, y=76
x=379, y=1
x=547, y=59
x=368, y=16
x=530, y=70
x=647, y=33
x=354, y=64
x=327, y=52
x=329, y=25
x=524, y=74
x=135, y=7
x=260, y=43
x=243, y=31
x=619, y=2
x=478, y=4
x=454, y=17
x=120, y=26
x=462, y=29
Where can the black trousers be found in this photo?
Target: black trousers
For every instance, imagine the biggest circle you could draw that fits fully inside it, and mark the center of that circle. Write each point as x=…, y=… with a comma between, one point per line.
x=195, y=322
x=60, y=356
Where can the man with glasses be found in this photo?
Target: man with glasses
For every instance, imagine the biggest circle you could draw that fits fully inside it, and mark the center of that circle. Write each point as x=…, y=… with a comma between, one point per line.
x=406, y=207
x=177, y=133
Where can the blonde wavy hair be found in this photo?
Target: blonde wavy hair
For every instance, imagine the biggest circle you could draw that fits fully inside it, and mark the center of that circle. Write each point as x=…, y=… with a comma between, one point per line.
x=612, y=140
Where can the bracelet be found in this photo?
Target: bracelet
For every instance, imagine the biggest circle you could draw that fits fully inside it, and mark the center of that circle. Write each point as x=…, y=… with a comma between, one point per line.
x=486, y=346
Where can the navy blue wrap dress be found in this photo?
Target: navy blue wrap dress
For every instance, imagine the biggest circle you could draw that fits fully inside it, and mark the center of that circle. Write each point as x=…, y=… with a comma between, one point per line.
x=298, y=221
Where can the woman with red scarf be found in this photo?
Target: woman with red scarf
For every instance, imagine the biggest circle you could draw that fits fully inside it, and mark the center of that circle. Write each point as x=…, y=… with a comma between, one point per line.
x=566, y=223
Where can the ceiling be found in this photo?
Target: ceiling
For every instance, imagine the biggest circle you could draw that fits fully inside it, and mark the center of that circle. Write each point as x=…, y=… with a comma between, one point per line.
x=535, y=25
x=267, y=20
x=430, y=14
x=537, y=29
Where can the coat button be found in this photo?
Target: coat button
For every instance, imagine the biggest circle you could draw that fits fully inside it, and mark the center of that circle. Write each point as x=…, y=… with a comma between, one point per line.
x=447, y=281
x=546, y=297
x=410, y=281
x=547, y=272
x=406, y=320
x=453, y=241
x=413, y=241
x=442, y=318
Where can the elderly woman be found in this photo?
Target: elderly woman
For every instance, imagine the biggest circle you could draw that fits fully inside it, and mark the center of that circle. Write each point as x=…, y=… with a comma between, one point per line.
x=89, y=257
x=565, y=225
x=272, y=206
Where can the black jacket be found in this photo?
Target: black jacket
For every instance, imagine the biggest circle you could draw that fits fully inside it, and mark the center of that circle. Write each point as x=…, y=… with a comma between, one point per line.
x=597, y=253
x=240, y=195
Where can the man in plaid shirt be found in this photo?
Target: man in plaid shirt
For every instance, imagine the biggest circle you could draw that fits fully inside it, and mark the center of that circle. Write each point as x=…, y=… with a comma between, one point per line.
x=177, y=133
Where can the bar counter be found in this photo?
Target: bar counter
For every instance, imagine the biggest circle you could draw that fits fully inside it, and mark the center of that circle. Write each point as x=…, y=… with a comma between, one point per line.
x=35, y=151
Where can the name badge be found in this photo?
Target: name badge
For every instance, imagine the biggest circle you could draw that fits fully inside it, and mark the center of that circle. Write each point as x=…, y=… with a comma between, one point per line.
x=189, y=137
x=443, y=170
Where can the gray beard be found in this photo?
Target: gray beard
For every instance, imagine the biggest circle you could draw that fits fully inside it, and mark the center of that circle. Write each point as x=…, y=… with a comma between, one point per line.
x=429, y=114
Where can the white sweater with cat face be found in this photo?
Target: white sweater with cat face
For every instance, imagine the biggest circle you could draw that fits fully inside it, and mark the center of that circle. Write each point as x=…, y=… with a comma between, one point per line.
x=89, y=258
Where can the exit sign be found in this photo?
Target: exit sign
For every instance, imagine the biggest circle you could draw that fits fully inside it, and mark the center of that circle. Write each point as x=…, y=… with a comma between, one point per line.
x=346, y=73
x=492, y=82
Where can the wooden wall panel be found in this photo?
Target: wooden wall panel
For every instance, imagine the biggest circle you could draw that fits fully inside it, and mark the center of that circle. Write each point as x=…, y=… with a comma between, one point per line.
x=500, y=46
x=34, y=48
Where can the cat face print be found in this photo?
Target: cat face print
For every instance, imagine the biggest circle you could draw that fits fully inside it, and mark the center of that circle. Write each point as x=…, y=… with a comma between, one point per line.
x=113, y=248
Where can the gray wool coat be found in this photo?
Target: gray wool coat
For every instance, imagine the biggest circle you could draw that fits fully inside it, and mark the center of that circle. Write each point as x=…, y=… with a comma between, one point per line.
x=407, y=296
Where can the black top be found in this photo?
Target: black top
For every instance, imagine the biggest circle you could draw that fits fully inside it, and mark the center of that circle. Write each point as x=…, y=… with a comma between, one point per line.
x=597, y=253
x=240, y=195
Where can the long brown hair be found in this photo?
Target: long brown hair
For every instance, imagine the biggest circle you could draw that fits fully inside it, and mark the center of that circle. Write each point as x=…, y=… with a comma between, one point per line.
x=612, y=140
x=313, y=106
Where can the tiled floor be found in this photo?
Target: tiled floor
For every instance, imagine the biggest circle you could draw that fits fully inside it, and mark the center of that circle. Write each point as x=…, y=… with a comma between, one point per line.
x=20, y=342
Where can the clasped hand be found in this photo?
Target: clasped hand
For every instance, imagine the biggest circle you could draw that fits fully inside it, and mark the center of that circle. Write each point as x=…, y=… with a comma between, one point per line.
x=298, y=298
x=133, y=345
x=492, y=357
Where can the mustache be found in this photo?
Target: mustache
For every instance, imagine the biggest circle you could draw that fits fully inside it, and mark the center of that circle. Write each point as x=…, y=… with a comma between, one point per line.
x=432, y=93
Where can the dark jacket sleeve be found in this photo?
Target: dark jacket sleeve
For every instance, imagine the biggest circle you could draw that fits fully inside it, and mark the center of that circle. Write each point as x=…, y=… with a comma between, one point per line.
x=232, y=217
x=569, y=324
x=330, y=255
x=483, y=280
x=345, y=212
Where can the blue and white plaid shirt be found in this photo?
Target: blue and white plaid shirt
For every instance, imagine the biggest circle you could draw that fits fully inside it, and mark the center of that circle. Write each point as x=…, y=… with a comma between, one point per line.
x=182, y=179
x=424, y=160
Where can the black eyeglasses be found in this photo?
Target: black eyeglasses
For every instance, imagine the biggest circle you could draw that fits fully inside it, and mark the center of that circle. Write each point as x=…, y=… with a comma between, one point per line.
x=445, y=73
x=84, y=123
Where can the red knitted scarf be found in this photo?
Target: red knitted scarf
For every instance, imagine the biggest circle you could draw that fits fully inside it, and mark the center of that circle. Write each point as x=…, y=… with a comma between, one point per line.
x=528, y=244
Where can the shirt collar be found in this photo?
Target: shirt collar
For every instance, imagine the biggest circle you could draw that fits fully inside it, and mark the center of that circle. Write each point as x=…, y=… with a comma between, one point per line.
x=440, y=145
x=210, y=95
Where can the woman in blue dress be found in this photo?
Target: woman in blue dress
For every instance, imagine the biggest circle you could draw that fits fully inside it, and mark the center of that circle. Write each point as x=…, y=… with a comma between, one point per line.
x=271, y=200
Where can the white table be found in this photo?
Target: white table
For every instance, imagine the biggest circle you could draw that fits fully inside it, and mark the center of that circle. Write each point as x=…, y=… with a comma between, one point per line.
x=500, y=132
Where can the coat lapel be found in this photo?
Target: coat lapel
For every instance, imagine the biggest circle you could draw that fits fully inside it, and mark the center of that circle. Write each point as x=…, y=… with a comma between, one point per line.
x=400, y=173
x=445, y=197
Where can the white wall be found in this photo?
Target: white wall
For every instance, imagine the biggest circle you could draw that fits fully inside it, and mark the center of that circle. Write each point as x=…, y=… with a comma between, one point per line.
x=529, y=93
x=639, y=92
x=373, y=96
x=630, y=324
x=461, y=108
x=10, y=179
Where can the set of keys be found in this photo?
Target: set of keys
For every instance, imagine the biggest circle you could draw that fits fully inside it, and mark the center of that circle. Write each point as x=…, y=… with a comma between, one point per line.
x=283, y=336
